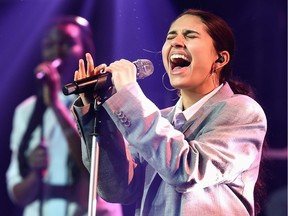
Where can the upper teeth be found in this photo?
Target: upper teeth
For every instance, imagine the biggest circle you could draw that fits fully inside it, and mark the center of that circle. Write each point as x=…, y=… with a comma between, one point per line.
x=174, y=56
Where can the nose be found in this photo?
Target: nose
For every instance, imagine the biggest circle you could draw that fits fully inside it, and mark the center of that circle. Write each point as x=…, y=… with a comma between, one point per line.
x=178, y=41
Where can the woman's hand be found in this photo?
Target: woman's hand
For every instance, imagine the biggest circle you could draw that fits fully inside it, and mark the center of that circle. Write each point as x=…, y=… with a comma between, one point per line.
x=38, y=159
x=123, y=73
x=50, y=84
x=81, y=73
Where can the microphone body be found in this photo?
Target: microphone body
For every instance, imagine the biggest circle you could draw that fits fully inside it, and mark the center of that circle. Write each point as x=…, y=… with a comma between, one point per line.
x=103, y=80
x=40, y=75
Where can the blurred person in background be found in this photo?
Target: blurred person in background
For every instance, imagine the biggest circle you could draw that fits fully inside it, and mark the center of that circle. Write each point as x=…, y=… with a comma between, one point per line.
x=46, y=175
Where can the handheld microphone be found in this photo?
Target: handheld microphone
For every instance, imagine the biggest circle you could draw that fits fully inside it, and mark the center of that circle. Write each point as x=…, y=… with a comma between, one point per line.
x=103, y=80
x=40, y=75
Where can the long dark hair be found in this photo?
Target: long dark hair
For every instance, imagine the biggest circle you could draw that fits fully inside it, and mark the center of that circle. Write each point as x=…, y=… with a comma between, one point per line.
x=223, y=39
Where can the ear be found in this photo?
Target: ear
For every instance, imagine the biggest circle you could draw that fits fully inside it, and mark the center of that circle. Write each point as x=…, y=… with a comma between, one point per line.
x=224, y=58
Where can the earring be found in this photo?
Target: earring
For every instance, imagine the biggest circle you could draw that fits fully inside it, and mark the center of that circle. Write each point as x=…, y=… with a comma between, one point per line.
x=213, y=80
x=213, y=72
x=163, y=83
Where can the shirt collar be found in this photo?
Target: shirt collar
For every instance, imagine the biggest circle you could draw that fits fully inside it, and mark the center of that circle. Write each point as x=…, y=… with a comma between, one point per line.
x=189, y=112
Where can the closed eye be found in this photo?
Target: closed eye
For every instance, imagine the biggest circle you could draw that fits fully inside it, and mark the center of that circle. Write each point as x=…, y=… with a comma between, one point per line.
x=186, y=33
x=190, y=34
x=171, y=36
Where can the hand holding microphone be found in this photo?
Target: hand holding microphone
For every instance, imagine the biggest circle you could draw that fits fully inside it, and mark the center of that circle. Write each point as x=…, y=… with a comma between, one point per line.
x=95, y=79
x=123, y=73
x=48, y=80
x=41, y=70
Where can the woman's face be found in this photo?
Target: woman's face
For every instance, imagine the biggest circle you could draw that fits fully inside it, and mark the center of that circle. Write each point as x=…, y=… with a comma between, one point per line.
x=188, y=55
x=64, y=42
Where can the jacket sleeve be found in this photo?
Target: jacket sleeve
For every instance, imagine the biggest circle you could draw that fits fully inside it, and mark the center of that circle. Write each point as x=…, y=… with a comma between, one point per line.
x=116, y=167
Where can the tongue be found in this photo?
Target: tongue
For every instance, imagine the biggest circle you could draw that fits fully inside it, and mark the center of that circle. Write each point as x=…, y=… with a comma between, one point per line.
x=177, y=68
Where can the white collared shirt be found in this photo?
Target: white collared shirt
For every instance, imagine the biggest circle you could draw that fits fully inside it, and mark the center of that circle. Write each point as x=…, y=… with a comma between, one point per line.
x=58, y=172
x=181, y=116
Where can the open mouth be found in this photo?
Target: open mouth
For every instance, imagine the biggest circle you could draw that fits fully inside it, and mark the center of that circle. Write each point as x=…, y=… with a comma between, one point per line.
x=179, y=61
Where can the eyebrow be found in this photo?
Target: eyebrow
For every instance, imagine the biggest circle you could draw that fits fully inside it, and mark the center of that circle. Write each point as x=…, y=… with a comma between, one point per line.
x=185, y=31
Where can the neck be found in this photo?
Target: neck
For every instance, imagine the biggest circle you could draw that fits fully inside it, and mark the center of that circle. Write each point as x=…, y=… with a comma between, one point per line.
x=191, y=97
x=188, y=99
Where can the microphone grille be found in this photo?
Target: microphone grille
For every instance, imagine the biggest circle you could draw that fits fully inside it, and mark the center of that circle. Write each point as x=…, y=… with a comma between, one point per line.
x=144, y=68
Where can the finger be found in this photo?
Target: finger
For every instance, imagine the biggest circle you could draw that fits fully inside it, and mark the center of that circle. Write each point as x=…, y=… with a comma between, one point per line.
x=76, y=75
x=82, y=69
x=100, y=69
x=90, y=64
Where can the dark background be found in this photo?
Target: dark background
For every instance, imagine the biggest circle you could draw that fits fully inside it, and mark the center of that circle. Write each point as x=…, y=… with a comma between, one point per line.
x=135, y=29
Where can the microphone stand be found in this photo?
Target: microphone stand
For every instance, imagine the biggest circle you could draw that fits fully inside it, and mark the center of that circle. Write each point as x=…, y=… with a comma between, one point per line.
x=42, y=106
x=92, y=205
x=103, y=84
x=42, y=143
